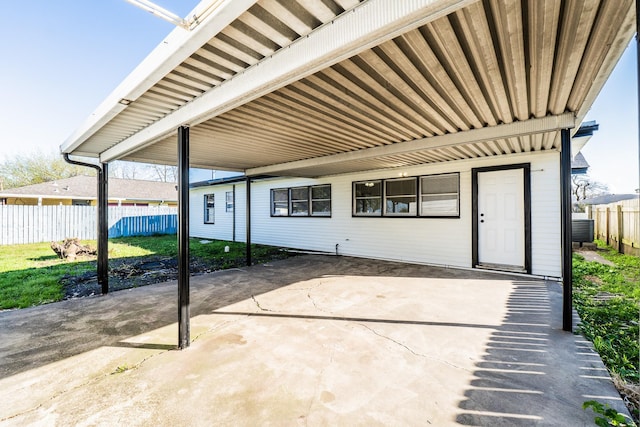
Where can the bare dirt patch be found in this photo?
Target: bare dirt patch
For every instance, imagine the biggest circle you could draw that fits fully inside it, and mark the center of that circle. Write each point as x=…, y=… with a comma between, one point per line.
x=130, y=273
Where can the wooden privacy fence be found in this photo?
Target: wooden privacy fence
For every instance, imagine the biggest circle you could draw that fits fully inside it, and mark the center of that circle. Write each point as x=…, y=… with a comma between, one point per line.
x=35, y=224
x=618, y=224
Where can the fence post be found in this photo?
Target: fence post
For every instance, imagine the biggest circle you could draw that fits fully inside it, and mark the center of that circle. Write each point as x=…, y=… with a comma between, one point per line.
x=606, y=229
x=620, y=228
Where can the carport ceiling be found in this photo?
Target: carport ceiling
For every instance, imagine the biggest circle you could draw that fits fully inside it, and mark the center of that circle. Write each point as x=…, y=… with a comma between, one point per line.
x=317, y=87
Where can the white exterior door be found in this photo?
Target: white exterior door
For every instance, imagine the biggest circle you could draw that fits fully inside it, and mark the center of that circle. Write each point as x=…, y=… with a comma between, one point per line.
x=501, y=238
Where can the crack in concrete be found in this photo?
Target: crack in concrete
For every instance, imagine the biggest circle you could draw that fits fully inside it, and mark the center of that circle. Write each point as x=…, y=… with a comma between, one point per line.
x=314, y=398
x=253, y=297
x=84, y=384
x=313, y=301
x=410, y=350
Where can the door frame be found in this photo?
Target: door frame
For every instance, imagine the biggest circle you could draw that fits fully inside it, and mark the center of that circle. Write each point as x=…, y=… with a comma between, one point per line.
x=526, y=169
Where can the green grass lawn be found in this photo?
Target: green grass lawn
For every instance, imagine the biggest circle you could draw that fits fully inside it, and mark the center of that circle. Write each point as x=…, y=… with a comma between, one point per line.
x=608, y=301
x=30, y=274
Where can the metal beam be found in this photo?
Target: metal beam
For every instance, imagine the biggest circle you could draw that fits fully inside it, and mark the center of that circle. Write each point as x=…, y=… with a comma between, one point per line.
x=248, y=222
x=103, y=228
x=184, y=339
x=565, y=218
x=367, y=25
x=527, y=127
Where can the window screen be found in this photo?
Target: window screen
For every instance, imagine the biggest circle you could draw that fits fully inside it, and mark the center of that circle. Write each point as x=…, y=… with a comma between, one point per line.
x=440, y=195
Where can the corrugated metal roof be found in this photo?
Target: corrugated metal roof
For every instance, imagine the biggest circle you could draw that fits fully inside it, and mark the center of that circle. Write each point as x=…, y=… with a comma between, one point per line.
x=484, y=65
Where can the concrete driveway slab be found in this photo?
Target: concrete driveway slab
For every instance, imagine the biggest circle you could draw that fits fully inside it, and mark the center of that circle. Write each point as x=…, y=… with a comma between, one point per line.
x=312, y=341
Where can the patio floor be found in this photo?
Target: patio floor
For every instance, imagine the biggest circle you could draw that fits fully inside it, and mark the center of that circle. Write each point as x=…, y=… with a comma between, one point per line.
x=312, y=340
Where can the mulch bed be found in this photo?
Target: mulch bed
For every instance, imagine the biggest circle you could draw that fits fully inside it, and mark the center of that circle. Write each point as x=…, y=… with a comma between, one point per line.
x=142, y=271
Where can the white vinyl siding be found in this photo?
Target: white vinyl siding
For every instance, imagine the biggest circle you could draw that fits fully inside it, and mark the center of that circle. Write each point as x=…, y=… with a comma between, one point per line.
x=438, y=240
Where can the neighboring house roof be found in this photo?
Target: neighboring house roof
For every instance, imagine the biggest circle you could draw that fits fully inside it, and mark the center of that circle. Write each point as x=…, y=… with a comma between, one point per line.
x=219, y=181
x=312, y=88
x=605, y=199
x=579, y=164
x=85, y=187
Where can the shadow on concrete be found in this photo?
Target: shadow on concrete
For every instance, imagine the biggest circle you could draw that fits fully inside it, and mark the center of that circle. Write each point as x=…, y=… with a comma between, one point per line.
x=520, y=379
x=355, y=319
x=36, y=336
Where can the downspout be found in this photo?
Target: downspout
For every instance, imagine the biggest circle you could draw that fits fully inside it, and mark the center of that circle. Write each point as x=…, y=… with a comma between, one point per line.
x=103, y=221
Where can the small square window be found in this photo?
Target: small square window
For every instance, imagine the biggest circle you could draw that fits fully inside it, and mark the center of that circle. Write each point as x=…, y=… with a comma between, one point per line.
x=400, y=197
x=229, y=202
x=321, y=200
x=299, y=201
x=280, y=202
x=367, y=198
x=209, y=208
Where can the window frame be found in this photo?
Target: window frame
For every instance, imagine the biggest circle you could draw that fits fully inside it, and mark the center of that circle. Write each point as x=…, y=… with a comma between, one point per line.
x=304, y=189
x=273, y=201
x=312, y=200
x=354, y=198
x=418, y=198
x=308, y=189
x=209, y=210
x=421, y=194
x=386, y=197
x=229, y=207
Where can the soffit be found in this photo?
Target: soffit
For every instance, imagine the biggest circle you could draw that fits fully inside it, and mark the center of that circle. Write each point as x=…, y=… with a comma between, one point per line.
x=487, y=64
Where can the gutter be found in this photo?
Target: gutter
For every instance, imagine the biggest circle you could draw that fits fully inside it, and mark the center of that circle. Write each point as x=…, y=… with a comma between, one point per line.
x=102, y=221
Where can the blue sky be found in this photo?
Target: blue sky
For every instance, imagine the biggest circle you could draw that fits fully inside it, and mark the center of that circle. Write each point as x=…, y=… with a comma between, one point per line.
x=61, y=58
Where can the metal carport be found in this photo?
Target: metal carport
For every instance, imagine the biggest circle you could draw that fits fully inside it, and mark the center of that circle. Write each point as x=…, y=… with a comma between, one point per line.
x=313, y=88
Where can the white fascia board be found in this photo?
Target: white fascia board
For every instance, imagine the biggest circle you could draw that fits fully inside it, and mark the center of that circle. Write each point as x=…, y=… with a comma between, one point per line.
x=179, y=45
x=578, y=144
x=366, y=25
x=514, y=129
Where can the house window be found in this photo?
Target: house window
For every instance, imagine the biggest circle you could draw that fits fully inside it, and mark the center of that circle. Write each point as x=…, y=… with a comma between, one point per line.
x=436, y=196
x=400, y=197
x=321, y=200
x=280, y=202
x=299, y=201
x=228, y=201
x=367, y=198
x=440, y=195
x=209, y=208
